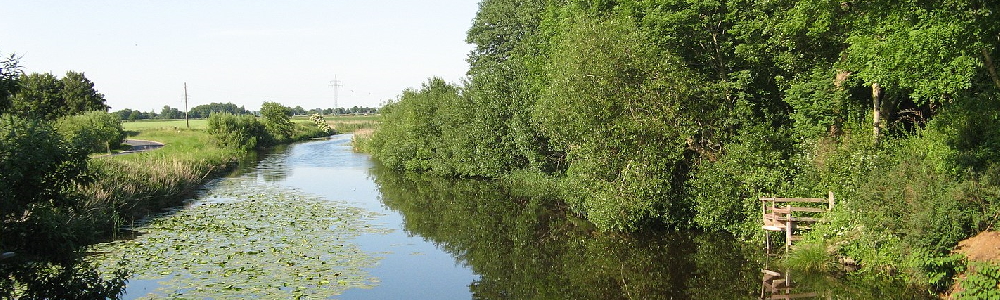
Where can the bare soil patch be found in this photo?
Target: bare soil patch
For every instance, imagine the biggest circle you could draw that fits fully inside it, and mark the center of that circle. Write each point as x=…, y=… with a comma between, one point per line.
x=982, y=247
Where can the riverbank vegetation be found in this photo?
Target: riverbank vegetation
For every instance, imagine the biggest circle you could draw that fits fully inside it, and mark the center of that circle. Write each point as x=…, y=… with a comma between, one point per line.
x=56, y=198
x=680, y=114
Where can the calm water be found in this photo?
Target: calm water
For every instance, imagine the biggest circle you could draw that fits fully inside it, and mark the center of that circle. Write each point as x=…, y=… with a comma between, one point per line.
x=449, y=239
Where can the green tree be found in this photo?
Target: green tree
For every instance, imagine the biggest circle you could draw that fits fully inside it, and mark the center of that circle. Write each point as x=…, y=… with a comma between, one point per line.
x=623, y=111
x=170, y=113
x=277, y=120
x=206, y=110
x=9, y=72
x=79, y=94
x=47, y=97
x=39, y=170
x=506, y=75
x=411, y=135
x=39, y=96
x=93, y=132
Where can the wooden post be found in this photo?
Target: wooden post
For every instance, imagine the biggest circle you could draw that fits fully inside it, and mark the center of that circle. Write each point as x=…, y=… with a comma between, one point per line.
x=788, y=232
x=831, y=200
x=186, y=120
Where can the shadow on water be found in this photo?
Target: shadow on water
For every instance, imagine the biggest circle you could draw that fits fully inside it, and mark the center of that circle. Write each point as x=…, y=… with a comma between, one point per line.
x=528, y=248
x=69, y=279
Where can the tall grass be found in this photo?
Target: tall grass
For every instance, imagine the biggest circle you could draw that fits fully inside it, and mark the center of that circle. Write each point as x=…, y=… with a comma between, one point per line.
x=129, y=187
x=351, y=124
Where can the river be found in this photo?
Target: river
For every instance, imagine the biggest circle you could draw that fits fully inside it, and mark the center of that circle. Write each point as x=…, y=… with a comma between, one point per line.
x=408, y=236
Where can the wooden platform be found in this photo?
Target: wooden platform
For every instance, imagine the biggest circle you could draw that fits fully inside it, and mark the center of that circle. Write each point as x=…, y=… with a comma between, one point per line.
x=792, y=215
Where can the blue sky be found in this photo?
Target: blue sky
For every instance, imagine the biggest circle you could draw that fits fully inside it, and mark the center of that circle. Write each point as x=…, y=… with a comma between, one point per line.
x=140, y=53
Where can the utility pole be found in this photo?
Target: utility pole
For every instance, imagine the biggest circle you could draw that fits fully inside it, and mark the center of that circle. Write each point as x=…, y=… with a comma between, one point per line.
x=186, y=121
x=335, y=84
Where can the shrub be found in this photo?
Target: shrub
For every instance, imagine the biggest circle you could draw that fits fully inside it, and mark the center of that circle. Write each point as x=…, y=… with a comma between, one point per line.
x=982, y=283
x=277, y=121
x=304, y=131
x=93, y=132
x=321, y=123
x=238, y=131
x=39, y=172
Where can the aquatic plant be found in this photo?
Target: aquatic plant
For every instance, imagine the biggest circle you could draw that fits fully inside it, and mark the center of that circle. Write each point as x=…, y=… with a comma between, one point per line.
x=248, y=239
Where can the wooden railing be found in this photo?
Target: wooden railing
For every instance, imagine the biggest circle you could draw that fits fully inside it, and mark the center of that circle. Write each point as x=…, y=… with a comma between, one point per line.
x=778, y=286
x=782, y=214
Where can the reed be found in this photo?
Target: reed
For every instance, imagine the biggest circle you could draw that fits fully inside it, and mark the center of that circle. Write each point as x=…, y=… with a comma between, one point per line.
x=129, y=187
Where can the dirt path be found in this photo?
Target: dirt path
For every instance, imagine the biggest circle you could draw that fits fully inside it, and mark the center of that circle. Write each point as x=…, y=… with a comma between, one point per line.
x=140, y=146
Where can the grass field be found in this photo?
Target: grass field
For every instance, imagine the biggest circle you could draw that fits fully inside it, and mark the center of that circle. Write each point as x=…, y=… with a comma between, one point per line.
x=142, y=125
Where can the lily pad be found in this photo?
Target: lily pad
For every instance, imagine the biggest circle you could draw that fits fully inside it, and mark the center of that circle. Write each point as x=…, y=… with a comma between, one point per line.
x=250, y=240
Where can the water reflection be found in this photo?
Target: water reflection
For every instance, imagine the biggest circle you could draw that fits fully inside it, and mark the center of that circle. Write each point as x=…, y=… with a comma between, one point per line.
x=525, y=248
x=32, y=278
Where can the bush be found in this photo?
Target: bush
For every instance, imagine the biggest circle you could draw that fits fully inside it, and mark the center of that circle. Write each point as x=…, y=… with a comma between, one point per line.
x=238, y=131
x=39, y=172
x=304, y=131
x=321, y=123
x=277, y=121
x=93, y=132
x=982, y=283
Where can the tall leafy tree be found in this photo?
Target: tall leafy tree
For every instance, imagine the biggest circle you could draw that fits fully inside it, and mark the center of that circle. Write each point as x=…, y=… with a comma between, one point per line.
x=622, y=110
x=79, y=94
x=39, y=96
x=47, y=97
x=504, y=83
x=9, y=71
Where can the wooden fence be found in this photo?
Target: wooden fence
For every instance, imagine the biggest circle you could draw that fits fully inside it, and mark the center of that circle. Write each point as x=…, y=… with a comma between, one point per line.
x=791, y=216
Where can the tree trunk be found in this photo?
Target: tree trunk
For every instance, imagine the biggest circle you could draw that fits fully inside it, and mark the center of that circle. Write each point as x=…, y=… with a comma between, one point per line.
x=838, y=83
x=991, y=68
x=877, y=111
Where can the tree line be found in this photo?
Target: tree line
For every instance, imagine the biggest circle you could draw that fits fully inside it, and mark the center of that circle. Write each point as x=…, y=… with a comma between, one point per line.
x=48, y=127
x=206, y=110
x=680, y=114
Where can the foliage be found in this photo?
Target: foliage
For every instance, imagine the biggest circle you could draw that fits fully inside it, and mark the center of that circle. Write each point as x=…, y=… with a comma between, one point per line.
x=9, y=72
x=619, y=110
x=170, y=113
x=309, y=130
x=39, y=208
x=939, y=271
x=79, y=95
x=63, y=280
x=128, y=114
x=321, y=123
x=38, y=96
x=411, y=130
x=276, y=120
x=982, y=283
x=238, y=131
x=46, y=97
x=206, y=110
x=38, y=171
x=683, y=113
x=725, y=191
x=525, y=246
x=93, y=132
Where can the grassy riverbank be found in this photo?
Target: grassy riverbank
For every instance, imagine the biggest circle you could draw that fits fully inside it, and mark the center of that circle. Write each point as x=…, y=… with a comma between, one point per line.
x=129, y=187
